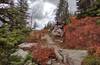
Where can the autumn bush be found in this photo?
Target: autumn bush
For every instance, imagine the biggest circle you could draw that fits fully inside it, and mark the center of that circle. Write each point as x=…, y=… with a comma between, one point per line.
x=81, y=33
x=41, y=55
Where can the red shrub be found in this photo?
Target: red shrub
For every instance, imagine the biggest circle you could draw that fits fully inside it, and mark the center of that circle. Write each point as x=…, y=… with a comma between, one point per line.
x=42, y=55
x=81, y=33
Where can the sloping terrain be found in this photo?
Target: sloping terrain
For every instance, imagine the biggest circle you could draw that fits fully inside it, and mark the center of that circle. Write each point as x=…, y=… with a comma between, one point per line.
x=49, y=52
x=82, y=33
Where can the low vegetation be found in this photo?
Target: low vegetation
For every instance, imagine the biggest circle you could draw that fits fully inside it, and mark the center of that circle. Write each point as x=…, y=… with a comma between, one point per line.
x=91, y=60
x=13, y=31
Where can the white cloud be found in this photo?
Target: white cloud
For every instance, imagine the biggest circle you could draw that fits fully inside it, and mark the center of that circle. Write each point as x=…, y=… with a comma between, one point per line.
x=43, y=12
x=72, y=6
x=49, y=10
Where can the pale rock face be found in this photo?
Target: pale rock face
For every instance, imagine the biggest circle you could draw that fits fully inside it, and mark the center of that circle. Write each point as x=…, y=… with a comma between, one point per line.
x=26, y=45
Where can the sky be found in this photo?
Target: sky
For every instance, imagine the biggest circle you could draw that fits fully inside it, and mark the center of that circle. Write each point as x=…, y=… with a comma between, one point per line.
x=43, y=12
x=72, y=6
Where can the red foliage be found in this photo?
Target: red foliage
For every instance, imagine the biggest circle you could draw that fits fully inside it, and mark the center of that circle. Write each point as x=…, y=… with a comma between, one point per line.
x=81, y=33
x=42, y=54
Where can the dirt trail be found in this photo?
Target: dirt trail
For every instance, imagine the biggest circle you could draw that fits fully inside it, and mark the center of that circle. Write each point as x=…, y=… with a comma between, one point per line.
x=74, y=57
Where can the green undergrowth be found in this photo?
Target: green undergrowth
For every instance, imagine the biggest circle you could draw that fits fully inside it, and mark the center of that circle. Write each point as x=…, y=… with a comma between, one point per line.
x=91, y=60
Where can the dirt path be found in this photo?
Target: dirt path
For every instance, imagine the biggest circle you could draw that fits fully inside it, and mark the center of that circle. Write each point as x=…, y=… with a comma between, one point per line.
x=75, y=57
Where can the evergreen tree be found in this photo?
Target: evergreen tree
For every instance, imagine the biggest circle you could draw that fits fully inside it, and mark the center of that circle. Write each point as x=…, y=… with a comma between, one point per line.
x=89, y=9
x=62, y=12
x=62, y=17
x=13, y=30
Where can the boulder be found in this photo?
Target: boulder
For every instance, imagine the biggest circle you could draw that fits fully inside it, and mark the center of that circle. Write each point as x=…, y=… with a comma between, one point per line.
x=21, y=53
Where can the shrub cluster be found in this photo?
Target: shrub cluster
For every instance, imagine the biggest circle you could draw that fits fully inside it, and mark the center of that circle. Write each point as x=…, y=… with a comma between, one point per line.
x=81, y=33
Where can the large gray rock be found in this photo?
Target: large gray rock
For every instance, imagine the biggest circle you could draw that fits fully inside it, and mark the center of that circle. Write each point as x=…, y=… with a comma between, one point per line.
x=20, y=53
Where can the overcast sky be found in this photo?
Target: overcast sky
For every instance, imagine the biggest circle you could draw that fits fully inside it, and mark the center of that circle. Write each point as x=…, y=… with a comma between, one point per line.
x=72, y=6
